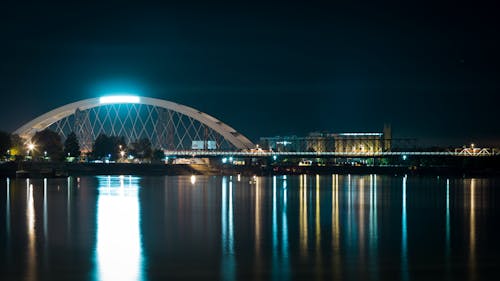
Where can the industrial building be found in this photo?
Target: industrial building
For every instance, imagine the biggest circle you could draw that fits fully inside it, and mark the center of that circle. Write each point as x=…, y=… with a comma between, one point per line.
x=335, y=142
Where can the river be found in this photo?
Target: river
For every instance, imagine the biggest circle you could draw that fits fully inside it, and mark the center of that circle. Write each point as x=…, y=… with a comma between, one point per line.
x=308, y=227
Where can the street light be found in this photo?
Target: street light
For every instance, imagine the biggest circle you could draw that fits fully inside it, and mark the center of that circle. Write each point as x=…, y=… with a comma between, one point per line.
x=31, y=147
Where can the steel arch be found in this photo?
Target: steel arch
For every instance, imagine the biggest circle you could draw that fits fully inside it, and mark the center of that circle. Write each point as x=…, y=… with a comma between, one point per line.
x=43, y=121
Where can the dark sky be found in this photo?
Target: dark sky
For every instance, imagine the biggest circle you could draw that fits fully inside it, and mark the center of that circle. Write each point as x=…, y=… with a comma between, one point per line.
x=430, y=70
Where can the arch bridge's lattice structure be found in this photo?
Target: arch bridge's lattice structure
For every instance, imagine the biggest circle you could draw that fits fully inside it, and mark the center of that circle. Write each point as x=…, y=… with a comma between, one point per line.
x=168, y=125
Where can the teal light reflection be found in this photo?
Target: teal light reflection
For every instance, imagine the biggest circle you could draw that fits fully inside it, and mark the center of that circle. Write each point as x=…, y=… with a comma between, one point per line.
x=275, y=233
x=373, y=225
x=448, y=241
x=275, y=219
x=404, y=236
x=119, y=248
x=284, y=229
x=228, y=259
x=280, y=247
x=447, y=217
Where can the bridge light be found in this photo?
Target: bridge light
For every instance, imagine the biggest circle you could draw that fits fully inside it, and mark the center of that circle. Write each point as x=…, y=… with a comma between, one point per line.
x=224, y=160
x=405, y=157
x=119, y=99
x=231, y=159
x=275, y=157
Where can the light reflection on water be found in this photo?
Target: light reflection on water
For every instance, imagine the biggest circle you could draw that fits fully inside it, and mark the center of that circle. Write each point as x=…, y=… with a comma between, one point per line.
x=118, y=251
x=373, y=224
x=404, y=235
x=30, y=217
x=257, y=227
x=7, y=217
x=336, y=227
x=285, y=263
x=231, y=228
x=303, y=216
x=472, y=227
x=228, y=260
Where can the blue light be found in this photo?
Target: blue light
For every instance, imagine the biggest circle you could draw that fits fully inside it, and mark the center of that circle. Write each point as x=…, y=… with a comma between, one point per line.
x=275, y=157
x=224, y=160
x=405, y=157
x=230, y=159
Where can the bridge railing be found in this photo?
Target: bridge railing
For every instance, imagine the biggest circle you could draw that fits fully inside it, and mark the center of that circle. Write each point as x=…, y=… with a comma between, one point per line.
x=198, y=153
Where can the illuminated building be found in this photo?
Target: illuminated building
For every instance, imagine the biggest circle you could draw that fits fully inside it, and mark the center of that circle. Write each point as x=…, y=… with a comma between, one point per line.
x=337, y=142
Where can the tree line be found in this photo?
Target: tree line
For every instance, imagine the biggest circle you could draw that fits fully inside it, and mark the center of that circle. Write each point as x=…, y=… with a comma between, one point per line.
x=48, y=145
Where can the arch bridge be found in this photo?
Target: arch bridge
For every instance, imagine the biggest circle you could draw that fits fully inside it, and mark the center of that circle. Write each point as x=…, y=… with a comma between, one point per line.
x=168, y=125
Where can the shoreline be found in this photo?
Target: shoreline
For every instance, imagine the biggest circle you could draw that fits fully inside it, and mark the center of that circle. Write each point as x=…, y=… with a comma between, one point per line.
x=53, y=170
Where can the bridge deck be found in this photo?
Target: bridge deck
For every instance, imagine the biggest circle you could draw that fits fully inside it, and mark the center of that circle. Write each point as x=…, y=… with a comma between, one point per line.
x=204, y=153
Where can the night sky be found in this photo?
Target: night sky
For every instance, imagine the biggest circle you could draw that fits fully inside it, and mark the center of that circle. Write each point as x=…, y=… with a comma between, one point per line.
x=432, y=71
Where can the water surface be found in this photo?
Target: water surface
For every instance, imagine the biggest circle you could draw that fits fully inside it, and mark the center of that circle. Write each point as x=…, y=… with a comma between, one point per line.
x=308, y=227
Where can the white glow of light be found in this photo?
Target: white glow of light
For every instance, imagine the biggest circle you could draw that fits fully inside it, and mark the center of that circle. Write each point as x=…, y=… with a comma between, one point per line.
x=193, y=179
x=7, y=208
x=119, y=99
x=30, y=215
x=119, y=251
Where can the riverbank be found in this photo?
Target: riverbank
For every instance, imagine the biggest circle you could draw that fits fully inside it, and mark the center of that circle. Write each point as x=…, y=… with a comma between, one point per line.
x=48, y=170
